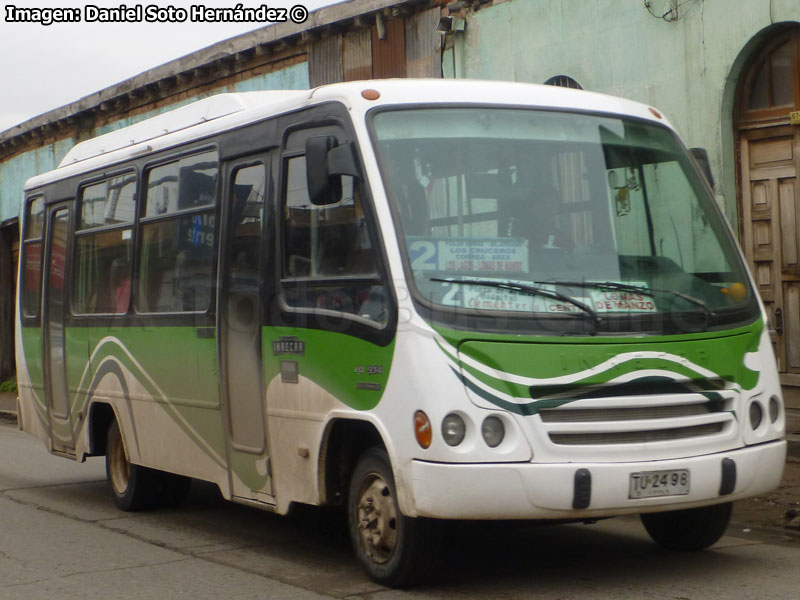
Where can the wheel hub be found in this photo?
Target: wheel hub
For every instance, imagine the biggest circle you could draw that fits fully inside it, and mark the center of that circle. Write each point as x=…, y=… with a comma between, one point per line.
x=120, y=467
x=377, y=519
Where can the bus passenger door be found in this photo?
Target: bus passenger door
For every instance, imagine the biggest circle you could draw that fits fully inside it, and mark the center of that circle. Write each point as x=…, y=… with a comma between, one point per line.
x=239, y=321
x=53, y=343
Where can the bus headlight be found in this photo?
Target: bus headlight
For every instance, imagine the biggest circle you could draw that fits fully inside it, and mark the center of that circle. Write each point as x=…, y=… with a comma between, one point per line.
x=453, y=429
x=493, y=431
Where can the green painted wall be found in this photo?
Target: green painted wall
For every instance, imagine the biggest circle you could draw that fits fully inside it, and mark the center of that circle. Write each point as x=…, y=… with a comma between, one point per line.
x=688, y=68
x=16, y=170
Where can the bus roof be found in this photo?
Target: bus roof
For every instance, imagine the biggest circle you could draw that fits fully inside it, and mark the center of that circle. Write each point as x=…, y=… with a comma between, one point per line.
x=195, y=113
x=227, y=111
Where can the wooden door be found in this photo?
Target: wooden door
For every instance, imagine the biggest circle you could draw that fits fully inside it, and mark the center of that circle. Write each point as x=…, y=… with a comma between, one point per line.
x=770, y=162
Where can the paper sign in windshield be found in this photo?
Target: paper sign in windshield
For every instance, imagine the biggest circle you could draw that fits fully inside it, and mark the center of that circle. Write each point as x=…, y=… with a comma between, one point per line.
x=469, y=255
x=601, y=301
x=491, y=299
x=617, y=301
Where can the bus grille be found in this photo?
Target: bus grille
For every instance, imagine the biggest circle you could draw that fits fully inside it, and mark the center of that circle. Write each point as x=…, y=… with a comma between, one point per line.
x=675, y=414
x=634, y=437
x=588, y=415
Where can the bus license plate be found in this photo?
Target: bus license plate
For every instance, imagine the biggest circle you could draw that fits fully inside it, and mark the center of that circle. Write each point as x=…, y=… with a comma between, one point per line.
x=649, y=484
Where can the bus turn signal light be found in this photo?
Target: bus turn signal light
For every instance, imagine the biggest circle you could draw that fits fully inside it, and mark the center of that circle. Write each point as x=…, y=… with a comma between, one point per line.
x=422, y=429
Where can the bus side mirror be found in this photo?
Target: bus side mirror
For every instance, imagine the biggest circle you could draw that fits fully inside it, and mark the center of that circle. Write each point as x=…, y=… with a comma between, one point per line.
x=321, y=186
x=701, y=156
x=326, y=162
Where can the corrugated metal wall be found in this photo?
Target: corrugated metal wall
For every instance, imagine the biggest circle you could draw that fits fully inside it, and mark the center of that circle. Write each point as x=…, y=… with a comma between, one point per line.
x=357, y=55
x=9, y=253
x=324, y=61
x=424, y=45
x=389, y=51
x=399, y=47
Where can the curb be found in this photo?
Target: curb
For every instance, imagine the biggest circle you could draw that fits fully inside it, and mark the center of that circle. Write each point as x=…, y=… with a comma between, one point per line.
x=793, y=447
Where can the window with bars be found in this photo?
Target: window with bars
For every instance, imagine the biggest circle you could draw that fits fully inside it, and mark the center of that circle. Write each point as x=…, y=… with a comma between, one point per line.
x=564, y=81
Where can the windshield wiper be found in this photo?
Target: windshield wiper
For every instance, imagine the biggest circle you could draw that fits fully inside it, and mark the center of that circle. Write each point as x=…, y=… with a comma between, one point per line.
x=527, y=289
x=635, y=289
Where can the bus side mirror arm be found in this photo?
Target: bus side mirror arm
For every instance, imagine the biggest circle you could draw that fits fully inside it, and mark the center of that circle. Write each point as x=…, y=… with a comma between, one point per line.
x=326, y=162
x=701, y=156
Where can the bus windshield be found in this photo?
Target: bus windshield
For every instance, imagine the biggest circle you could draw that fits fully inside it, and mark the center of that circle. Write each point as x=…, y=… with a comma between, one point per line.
x=573, y=216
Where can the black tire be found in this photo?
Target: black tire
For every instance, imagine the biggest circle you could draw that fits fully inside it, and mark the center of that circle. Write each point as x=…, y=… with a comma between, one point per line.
x=690, y=529
x=173, y=489
x=133, y=487
x=394, y=550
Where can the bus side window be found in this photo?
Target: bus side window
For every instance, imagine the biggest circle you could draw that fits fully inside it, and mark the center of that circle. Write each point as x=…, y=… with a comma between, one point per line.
x=247, y=207
x=177, y=250
x=325, y=243
x=325, y=240
x=104, y=246
x=31, y=284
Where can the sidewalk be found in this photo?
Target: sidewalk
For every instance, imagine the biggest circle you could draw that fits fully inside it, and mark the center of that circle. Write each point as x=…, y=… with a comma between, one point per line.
x=8, y=402
x=793, y=448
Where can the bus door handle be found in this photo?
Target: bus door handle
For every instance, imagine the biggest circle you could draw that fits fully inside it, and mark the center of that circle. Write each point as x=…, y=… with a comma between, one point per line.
x=205, y=333
x=778, y=321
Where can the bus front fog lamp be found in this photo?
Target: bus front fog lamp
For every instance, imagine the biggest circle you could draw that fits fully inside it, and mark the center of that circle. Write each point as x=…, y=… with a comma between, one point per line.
x=756, y=414
x=493, y=431
x=774, y=409
x=453, y=429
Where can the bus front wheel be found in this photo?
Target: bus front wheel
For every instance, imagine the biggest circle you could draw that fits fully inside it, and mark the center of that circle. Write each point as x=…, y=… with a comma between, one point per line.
x=134, y=487
x=394, y=550
x=689, y=529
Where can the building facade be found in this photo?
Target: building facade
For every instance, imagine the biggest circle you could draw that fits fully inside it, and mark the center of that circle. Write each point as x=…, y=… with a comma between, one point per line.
x=726, y=73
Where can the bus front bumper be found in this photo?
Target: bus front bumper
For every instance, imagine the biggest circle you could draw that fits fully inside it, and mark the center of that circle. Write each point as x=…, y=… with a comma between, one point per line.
x=563, y=490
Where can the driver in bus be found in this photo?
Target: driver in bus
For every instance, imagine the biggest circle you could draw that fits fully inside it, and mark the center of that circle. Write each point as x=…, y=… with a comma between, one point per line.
x=536, y=218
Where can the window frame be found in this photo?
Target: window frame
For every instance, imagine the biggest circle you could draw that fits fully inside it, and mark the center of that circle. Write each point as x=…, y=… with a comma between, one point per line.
x=510, y=322
x=142, y=221
x=100, y=229
x=745, y=115
x=298, y=127
x=25, y=243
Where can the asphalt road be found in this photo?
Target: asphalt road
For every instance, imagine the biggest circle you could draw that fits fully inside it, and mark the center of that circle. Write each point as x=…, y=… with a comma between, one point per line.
x=61, y=537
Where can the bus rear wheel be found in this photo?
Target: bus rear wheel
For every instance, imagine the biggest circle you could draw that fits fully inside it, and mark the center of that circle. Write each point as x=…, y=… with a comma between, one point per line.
x=134, y=487
x=689, y=529
x=394, y=550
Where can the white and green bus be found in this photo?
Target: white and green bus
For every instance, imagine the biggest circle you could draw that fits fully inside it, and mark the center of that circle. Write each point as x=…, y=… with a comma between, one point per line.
x=419, y=300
